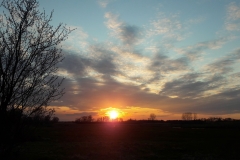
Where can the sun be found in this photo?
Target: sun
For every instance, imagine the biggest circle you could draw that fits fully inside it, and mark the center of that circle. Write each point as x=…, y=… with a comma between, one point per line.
x=113, y=114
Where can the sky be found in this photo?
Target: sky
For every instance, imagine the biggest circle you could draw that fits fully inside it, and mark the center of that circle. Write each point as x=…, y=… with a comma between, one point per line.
x=140, y=57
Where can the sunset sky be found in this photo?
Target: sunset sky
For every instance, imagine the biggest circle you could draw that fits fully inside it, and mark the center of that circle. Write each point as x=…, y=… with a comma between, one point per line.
x=149, y=56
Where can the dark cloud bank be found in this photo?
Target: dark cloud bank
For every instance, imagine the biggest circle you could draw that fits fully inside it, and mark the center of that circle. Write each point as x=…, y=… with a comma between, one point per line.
x=86, y=92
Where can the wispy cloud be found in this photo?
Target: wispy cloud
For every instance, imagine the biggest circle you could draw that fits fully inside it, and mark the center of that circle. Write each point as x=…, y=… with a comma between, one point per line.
x=167, y=26
x=191, y=85
x=232, y=22
x=104, y=3
x=224, y=65
x=128, y=34
x=162, y=63
x=77, y=40
x=195, y=51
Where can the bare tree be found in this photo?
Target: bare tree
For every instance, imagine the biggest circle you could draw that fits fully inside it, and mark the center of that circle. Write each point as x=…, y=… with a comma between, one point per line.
x=55, y=119
x=84, y=119
x=194, y=116
x=152, y=117
x=103, y=119
x=187, y=116
x=29, y=53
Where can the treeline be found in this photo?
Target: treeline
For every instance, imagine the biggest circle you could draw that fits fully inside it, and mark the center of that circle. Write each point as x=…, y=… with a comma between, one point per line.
x=189, y=119
x=16, y=117
x=89, y=118
x=210, y=119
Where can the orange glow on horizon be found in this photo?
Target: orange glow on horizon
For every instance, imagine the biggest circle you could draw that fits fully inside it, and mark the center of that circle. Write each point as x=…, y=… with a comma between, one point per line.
x=112, y=113
x=66, y=113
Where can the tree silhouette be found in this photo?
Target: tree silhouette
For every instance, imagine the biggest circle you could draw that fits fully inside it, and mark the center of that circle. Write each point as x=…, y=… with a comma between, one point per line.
x=55, y=119
x=103, y=119
x=187, y=116
x=194, y=116
x=29, y=53
x=84, y=119
x=152, y=117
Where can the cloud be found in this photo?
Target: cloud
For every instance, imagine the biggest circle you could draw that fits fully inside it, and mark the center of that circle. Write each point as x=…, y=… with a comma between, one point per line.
x=195, y=51
x=229, y=94
x=167, y=26
x=109, y=76
x=191, y=86
x=225, y=102
x=77, y=40
x=119, y=95
x=162, y=63
x=112, y=22
x=100, y=61
x=232, y=22
x=162, y=66
x=129, y=63
x=154, y=75
x=128, y=34
x=74, y=64
x=222, y=66
x=103, y=3
x=225, y=64
x=233, y=11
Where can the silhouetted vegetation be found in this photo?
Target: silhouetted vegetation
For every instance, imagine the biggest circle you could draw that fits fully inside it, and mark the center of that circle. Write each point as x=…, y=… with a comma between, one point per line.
x=29, y=54
x=55, y=119
x=188, y=116
x=84, y=119
x=103, y=119
x=152, y=117
x=88, y=119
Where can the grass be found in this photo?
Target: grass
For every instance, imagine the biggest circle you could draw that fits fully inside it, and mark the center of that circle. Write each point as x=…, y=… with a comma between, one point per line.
x=125, y=141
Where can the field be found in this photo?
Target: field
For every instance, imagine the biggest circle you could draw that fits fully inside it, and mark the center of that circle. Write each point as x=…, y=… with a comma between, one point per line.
x=129, y=141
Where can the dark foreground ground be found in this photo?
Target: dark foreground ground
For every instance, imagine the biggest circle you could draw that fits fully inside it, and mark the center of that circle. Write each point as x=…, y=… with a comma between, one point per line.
x=129, y=141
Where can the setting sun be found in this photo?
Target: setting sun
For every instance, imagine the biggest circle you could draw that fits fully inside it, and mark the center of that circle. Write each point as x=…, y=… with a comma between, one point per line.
x=113, y=114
